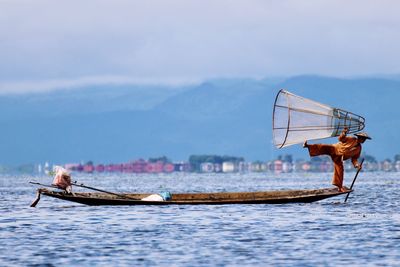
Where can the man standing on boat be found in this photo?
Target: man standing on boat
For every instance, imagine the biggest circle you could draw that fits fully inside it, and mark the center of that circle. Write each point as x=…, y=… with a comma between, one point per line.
x=347, y=148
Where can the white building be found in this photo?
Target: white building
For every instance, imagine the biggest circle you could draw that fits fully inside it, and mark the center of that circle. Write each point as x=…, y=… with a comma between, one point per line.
x=229, y=167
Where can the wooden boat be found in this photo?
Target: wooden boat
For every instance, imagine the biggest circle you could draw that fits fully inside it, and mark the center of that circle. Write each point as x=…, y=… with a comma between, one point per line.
x=267, y=197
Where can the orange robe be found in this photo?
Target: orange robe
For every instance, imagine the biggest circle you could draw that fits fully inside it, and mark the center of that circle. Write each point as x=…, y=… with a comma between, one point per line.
x=347, y=148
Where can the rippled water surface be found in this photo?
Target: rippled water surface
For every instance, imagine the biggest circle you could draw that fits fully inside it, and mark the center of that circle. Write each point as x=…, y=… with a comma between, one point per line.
x=365, y=231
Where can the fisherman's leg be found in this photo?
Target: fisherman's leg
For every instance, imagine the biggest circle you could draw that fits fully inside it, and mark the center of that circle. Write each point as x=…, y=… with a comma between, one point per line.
x=320, y=149
x=338, y=173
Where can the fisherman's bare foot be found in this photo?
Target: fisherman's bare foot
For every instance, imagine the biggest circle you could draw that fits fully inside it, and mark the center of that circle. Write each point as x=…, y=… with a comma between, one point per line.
x=305, y=144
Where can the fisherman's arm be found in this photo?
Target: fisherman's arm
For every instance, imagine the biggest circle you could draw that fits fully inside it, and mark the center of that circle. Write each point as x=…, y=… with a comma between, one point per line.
x=342, y=137
x=355, y=162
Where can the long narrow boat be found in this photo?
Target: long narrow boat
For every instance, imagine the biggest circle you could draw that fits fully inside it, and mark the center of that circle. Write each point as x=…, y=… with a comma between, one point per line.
x=267, y=197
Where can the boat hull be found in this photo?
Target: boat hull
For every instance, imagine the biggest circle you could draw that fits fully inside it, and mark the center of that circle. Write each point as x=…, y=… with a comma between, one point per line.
x=268, y=197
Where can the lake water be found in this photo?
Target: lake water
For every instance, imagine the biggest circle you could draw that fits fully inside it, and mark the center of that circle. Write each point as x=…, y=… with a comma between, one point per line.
x=365, y=231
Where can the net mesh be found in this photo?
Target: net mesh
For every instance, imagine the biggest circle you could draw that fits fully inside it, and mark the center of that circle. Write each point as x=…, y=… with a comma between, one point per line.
x=296, y=119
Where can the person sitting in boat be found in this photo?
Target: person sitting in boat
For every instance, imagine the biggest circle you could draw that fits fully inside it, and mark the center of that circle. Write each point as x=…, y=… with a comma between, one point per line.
x=62, y=179
x=347, y=148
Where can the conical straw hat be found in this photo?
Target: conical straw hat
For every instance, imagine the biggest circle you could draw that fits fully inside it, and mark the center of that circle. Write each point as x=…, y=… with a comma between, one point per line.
x=364, y=135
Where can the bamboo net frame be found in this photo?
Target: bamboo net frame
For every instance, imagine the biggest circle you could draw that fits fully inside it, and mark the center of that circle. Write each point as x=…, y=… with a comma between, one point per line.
x=297, y=119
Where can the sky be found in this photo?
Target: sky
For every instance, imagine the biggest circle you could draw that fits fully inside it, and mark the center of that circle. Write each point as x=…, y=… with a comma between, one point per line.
x=47, y=45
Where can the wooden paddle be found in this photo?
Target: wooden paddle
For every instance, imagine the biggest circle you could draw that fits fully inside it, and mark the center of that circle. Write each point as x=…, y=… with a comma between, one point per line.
x=354, y=180
x=103, y=191
x=36, y=201
x=46, y=185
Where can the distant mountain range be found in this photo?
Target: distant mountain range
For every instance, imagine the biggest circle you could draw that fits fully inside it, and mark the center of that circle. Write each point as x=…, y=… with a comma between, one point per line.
x=226, y=117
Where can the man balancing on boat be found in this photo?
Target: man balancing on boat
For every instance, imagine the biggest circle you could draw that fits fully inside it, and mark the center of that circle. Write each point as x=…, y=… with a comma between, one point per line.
x=347, y=148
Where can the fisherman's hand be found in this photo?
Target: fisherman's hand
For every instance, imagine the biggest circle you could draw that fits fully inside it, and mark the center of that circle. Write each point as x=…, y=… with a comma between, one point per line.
x=358, y=167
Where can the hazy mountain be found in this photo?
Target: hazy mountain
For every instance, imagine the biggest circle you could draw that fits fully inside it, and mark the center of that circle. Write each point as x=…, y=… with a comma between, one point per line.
x=219, y=117
x=88, y=100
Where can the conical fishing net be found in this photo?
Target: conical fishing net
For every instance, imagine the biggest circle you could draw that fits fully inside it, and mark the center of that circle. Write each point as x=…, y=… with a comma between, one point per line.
x=297, y=119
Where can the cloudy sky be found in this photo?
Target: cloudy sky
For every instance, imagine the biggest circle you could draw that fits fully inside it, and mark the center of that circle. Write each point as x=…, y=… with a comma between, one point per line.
x=46, y=44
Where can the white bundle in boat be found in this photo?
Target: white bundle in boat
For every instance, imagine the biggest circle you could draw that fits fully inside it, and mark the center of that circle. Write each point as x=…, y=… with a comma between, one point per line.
x=163, y=196
x=153, y=197
x=297, y=119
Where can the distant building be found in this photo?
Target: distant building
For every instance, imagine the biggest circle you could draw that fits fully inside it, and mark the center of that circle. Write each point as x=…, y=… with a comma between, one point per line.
x=369, y=166
x=287, y=166
x=207, y=167
x=182, y=167
x=278, y=166
x=397, y=166
x=89, y=168
x=99, y=168
x=127, y=167
x=244, y=166
x=386, y=166
x=305, y=166
x=169, y=167
x=259, y=166
x=229, y=167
